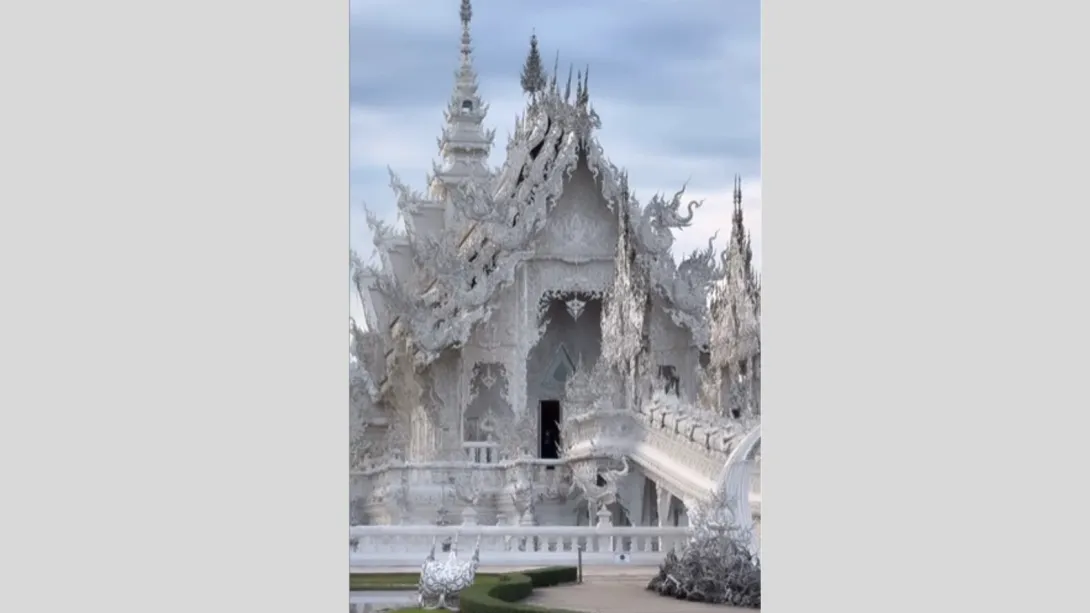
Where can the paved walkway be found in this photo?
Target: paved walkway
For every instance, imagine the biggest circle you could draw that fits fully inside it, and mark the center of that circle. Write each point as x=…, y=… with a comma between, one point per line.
x=640, y=573
x=616, y=594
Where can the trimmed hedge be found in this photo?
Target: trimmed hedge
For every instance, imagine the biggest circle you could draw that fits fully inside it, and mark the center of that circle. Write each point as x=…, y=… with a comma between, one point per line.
x=552, y=575
x=495, y=594
x=503, y=595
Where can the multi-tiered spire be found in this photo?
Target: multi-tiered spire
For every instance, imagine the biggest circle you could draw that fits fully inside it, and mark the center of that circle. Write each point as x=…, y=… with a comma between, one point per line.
x=465, y=144
x=736, y=313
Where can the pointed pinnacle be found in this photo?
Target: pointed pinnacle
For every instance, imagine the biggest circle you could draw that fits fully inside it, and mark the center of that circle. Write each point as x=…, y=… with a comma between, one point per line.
x=553, y=86
x=466, y=13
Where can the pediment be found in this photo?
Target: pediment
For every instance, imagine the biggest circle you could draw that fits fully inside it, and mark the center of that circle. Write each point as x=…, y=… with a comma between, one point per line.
x=580, y=225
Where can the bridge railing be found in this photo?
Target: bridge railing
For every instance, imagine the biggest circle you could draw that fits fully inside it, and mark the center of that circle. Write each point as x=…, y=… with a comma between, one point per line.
x=504, y=545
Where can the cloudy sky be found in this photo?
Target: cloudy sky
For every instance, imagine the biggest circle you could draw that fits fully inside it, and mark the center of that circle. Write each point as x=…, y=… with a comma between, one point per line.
x=676, y=83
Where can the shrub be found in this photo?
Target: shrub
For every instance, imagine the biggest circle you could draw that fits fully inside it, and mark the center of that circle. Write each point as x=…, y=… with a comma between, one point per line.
x=552, y=575
x=718, y=569
x=503, y=595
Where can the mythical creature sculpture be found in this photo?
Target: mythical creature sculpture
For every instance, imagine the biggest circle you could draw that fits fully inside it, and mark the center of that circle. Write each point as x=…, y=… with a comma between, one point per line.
x=660, y=217
x=587, y=468
x=442, y=580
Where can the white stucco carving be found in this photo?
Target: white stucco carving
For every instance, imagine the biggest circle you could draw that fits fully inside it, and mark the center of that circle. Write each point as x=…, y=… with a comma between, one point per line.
x=544, y=283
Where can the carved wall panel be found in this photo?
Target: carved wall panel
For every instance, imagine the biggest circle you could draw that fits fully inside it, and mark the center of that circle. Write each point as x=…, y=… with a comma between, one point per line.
x=557, y=275
x=580, y=225
x=488, y=394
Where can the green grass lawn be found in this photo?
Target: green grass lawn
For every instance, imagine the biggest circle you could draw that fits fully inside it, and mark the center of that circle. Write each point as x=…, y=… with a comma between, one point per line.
x=382, y=581
x=401, y=581
x=362, y=582
x=481, y=580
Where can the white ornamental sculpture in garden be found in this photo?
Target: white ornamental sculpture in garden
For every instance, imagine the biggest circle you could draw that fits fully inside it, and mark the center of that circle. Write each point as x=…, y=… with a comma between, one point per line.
x=442, y=580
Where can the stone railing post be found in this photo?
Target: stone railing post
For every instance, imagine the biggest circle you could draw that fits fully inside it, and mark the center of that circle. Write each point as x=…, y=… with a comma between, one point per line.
x=605, y=520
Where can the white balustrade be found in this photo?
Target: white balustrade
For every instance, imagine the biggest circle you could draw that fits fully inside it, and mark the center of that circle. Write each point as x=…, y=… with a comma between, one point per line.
x=482, y=452
x=401, y=546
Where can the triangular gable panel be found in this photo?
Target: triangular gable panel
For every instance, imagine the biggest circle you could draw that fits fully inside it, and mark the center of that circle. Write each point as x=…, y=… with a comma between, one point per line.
x=560, y=368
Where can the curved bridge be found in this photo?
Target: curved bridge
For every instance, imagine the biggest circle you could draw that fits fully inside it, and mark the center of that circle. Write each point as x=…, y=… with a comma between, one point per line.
x=688, y=461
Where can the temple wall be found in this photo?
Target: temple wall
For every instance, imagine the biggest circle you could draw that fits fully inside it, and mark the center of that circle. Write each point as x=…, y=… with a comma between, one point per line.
x=671, y=345
x=488, y=366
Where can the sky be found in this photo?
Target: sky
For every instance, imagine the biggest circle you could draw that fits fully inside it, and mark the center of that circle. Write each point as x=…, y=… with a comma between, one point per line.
x=675, y=82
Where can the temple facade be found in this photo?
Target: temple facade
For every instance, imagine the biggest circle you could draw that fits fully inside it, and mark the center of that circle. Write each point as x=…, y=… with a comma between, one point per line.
x=532, y=350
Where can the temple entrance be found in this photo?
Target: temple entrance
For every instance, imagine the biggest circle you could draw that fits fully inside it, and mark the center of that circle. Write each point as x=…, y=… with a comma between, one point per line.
x=550, y=429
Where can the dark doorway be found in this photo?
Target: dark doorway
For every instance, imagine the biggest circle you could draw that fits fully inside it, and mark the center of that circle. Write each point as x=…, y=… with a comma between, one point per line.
x=550, y=429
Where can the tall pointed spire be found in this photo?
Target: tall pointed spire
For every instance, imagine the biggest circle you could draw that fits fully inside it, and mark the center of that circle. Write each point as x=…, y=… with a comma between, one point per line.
x=553, y=87
x=739, y=252
x=533, y=73
x=467, y=14
x=583, y=97
x=465, y=144
x=738, y=224
x=735, y=319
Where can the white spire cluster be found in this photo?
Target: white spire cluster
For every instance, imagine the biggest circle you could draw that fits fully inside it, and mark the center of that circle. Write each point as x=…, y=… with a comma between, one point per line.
x=464, y=144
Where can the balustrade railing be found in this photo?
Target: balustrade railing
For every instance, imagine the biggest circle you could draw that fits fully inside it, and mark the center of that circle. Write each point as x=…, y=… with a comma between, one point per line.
x=482, y=452
x=503, y=545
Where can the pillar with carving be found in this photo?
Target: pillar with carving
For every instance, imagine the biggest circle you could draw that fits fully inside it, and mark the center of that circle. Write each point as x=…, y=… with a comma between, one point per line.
x=422, y=435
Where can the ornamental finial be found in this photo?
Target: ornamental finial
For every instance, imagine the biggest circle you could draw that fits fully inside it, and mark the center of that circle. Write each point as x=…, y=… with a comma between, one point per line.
x=466, y=12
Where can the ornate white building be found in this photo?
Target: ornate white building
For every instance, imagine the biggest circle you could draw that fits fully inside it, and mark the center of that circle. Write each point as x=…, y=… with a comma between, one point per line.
x=532, y=351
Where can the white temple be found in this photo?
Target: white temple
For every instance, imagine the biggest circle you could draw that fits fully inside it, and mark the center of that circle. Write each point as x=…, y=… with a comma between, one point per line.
x=533, y=353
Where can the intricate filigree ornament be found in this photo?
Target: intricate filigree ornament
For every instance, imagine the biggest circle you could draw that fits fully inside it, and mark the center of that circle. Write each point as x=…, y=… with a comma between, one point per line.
x=488, y=380
x=489, y=423
x=575, y=307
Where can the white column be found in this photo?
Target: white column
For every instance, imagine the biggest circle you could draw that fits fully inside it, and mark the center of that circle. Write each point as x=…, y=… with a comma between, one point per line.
x=662, y=506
